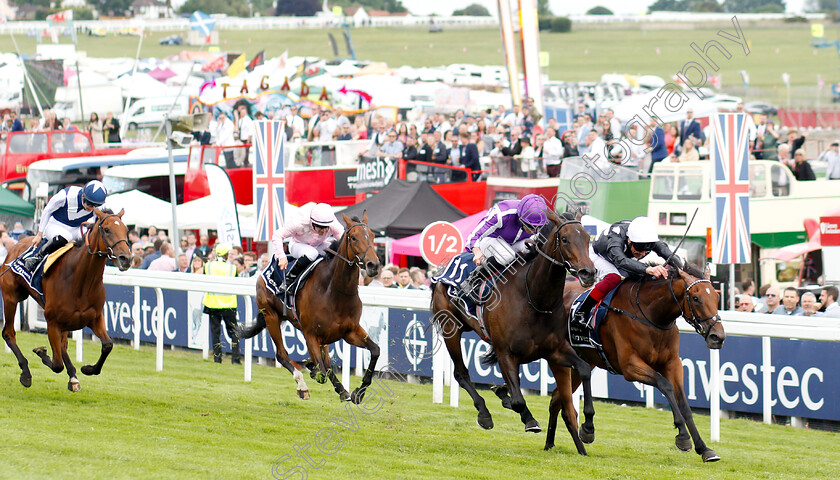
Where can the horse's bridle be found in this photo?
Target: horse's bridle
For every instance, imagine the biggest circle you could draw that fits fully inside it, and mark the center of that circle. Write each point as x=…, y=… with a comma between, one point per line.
x=564, y=262
x=359, y=259
x=693, y=321
x=109, y=249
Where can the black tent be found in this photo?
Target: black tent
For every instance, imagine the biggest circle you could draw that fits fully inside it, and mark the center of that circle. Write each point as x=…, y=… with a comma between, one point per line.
x=404, y=208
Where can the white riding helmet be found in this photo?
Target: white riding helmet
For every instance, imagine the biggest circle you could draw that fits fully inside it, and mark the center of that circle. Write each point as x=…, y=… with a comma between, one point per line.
x=642, y=230
x=321, y=215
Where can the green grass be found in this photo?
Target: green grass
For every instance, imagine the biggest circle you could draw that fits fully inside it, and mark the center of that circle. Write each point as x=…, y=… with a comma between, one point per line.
x=197, y=419
x=579, y=56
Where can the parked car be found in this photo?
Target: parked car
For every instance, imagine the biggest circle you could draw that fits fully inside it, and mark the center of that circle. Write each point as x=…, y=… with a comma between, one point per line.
x=172, y=40
x=761, y=107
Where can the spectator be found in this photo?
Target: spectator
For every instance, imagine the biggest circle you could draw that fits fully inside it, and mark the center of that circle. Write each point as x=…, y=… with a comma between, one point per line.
x=183, y=263
x=689, y=153
x=418, y=278
x=809, y=302
x=410, y=150
x=770, y=299
x=18, y=231
x=553, y=152
x=262, y=262
x=832, y=158
x=828, y=299
x=244, y=133
x=191, y=245
x=136, y=261
x=802, y=169
x=17, y=125
x=165, y=262
x=527, y=158
x=392, y=147
x=745, y=303
x=111, y=128
x=137, y=249
x=789, y=303
x=95, y=131
x=658, y=149
x=795, y=141
x=223, y=133
x=203, y=248
x=323, y=131
x=154, y=255
x=239, y=263
x=404, y=279
x=690, y=128
x=387, y=278
x=197, y=264
x=468, y=157
x=222, y=307
x=344, y=133
x=671, y=136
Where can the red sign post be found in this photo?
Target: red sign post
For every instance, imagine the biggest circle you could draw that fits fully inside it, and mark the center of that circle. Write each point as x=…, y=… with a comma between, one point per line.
x=439, y=242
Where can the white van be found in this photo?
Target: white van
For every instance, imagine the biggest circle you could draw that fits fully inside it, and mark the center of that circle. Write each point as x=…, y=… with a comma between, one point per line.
x=150, y=112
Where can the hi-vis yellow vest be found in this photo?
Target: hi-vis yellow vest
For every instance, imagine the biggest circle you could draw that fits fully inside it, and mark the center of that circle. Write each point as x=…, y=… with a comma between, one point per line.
x=219, y=267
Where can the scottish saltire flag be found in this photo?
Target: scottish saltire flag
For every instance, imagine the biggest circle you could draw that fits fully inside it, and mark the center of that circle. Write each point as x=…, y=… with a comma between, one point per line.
x=202, y=22
x=731, y=189
x=269, y=179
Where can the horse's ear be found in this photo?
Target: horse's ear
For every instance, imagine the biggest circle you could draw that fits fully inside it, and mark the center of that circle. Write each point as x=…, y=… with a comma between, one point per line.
x=578, y=214
x=122, y=212
x=552, y=217
x=98, y=212
x=346, y=219
x=364, y=217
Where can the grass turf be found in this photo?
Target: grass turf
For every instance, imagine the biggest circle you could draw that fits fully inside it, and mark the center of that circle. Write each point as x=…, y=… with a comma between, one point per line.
x=197, y=419
x=582, y=55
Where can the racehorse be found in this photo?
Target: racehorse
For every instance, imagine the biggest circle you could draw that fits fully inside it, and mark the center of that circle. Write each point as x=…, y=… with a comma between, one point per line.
x=522, y=325
x=641, y=343
x=74, y=295
x=330, y=310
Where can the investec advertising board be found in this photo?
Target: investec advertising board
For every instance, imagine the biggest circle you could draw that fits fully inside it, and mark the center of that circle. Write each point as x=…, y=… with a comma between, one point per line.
x=804, y=378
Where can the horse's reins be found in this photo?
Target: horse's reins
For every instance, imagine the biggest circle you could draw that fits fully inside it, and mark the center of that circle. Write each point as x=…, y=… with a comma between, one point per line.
x=109, y=249
x=564, y=262
x=359, y=259
x=693, y=321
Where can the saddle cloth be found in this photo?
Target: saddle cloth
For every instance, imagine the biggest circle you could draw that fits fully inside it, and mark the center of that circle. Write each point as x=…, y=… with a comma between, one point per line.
x=469, y=298
x=274, y=279
x=35, y=279
x=588, y=337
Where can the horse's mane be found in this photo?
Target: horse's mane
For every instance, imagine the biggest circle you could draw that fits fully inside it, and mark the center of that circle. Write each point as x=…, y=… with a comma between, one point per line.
x=693, y=270
x=106, y=210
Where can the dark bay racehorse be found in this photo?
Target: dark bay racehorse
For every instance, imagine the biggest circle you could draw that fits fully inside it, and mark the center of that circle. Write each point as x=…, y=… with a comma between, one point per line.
x=330, y=310
x=522, y=324
x=642, y=343
x=74, y=295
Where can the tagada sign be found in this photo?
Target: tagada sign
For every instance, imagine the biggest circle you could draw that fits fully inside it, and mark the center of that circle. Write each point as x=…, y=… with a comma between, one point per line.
x=373, y=173
x=439, y=242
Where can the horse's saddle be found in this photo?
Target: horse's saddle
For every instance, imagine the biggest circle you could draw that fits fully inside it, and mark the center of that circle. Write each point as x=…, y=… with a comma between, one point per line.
x=588, y=337
x=34, y=279
x=467, y=297
x=275, y=278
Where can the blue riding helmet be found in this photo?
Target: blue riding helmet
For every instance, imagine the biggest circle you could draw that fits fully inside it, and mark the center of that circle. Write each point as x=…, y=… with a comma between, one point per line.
x=94, y=192
x=532, y=211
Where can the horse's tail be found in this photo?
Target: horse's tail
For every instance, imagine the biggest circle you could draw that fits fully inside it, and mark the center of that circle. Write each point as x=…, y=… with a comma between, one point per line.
x=489, y=358
x=255, y=328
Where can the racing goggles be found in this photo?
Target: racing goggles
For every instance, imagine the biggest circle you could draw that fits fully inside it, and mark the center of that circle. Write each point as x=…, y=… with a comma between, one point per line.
x=643, y=246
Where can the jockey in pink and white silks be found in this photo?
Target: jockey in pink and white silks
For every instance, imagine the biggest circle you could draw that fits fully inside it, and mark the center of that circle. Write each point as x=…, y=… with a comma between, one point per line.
x=63, y=216
x=310, y=231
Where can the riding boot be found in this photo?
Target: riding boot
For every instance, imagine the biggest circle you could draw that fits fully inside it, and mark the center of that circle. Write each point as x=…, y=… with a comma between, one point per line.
x=298, y=268
x=217, y=353
x=234, y=352
x=580, y=317
x=485, y=271
x=52, y=245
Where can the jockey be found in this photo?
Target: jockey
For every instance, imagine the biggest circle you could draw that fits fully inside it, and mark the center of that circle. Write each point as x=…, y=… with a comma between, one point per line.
x=63, y=216
x=616, y=253
x=504, y=231
x=310, y=232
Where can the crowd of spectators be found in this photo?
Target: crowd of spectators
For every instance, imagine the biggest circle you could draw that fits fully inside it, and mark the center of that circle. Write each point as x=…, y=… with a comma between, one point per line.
x=769, y=299
x=392, y=276
x=102, y=131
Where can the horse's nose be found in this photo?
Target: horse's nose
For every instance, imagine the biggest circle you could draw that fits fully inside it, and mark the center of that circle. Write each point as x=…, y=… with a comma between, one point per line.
x=372, y=269
x=123, y=262
x=714, y=341
x=587, y=276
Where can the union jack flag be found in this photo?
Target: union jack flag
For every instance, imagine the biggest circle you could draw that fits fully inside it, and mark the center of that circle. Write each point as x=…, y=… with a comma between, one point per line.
x=269, y=179
x=731, y=190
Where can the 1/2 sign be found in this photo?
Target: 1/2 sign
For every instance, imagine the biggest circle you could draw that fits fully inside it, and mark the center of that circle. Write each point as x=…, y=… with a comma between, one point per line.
x=439, y=242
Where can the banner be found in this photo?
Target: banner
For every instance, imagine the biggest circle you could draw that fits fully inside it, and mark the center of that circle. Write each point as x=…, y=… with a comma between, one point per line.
x=731, y=189
x=221, y=189
x=201, y=22
x=373, y=173
x=269, y=178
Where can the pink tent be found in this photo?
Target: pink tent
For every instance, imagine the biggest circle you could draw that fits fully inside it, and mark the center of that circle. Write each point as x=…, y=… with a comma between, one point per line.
x=411, y=245
x=162, y=74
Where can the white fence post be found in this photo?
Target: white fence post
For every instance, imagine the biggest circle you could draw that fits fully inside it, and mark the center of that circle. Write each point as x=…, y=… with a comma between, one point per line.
x=714, y=394
x=649, y=396
x=766, y=380
x=345, y=363
x=249, y=352
x=543, y=377
x=135, y=312
x=454, y=386
x=80, y=347
x=159, y=331
x=439, y=367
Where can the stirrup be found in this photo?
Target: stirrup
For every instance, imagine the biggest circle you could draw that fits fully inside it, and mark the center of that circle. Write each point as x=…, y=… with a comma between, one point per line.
x=31, y=263
x=580, y=319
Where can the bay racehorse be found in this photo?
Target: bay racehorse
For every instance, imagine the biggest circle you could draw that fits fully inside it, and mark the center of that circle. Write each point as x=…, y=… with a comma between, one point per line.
x=522, y=324
x=330, y=309
x=641, y=343
x=74, y=295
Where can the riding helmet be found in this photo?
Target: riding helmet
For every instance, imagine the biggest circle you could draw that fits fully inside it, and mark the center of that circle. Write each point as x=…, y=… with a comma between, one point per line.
x=94, y=192
x=642, y=230
x=532, y=210
x=321, y=215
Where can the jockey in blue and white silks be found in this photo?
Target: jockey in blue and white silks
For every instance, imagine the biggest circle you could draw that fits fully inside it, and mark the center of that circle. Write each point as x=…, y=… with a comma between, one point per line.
x=63, y=216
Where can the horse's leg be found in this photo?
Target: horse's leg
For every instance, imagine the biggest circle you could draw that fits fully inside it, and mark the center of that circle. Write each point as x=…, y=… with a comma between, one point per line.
x=320, y=354
x=101, y=332
x=582, y=374
x=674, y=374
x=10, y=306
x=462, y=375
x=561, y=400
x=360, y=338
x=638, y=371
x=510, y=372
x=501, y=391
x=73, y=383
x=55, y=363
x=272, y=322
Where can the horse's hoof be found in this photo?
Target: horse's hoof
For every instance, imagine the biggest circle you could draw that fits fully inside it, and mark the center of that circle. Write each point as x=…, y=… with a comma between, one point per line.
x=586, y=437
x=26, y=381
x=73, y=385
x=40, y=351
x=684, y=443
x=89, y=370
x=485, y=422
x=303, y=394
x=710, y=456
x=358, y=395
x=344, y=396
x=533, y=427
x=506, y=403
x=548, y=446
